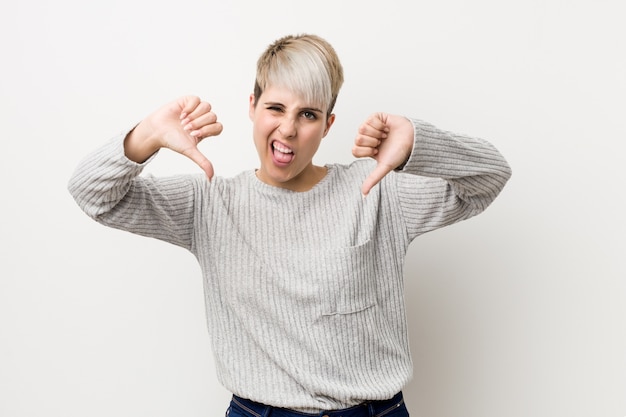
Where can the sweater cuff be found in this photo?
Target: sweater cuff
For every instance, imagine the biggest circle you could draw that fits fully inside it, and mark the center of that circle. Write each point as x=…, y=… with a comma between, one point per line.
x=405, y=166
x=121, y=154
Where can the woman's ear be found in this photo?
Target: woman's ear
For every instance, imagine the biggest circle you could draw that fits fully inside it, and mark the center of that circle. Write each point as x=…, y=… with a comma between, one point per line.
x=252, y=107
x=329, y=122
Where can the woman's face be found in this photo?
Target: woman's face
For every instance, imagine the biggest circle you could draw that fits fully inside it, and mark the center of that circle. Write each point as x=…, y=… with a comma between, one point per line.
x=287, y=132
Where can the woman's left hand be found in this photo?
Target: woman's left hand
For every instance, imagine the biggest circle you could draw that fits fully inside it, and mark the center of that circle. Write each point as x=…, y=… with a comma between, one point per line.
x=386, y=138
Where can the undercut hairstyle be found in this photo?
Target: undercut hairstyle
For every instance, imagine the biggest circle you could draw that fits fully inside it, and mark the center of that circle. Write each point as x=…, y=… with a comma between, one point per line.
x=305, y=64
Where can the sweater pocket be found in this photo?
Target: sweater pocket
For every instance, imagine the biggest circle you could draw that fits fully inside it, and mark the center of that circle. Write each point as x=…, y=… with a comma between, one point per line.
x=349, y=280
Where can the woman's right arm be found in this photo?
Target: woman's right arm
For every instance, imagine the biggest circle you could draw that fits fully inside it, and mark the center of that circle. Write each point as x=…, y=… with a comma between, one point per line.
x=107, y=186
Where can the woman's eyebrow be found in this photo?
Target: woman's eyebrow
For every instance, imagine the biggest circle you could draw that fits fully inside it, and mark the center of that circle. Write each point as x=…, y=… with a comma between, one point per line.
x=275, y=103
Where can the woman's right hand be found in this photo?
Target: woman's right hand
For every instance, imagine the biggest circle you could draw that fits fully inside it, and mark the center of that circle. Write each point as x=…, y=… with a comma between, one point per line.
x=179, y=126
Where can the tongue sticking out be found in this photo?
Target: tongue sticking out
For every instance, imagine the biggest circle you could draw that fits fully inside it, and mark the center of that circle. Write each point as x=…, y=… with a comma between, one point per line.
x=284, y=158
x=282, y=155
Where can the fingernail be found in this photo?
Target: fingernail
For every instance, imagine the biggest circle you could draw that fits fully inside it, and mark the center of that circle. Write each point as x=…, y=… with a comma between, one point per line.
x=183, y=115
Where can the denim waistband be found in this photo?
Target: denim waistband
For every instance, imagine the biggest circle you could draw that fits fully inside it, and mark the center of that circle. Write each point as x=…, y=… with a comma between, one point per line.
x=377, y=408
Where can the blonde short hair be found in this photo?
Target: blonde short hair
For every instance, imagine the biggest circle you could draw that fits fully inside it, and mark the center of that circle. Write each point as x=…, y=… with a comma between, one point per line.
x=305, y=64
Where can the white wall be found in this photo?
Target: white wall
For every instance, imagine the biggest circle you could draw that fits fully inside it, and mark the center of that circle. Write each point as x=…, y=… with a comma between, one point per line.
x=519, y=312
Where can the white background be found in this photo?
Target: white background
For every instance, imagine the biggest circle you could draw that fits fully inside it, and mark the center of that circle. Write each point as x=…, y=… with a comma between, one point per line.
x=519, y=312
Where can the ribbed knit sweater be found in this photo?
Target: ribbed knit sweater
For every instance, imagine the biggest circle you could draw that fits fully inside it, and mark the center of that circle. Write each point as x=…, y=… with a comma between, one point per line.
x=304, y=290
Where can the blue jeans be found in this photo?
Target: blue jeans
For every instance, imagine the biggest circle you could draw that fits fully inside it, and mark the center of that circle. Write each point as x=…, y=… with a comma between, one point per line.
x=394, y=407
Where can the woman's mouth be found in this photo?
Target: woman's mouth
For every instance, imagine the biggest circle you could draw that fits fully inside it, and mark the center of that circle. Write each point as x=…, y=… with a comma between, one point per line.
x=282, y=154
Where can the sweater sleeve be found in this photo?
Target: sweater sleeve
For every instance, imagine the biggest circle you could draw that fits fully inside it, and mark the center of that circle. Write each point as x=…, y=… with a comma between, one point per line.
x=448, y=177
x=107, y=186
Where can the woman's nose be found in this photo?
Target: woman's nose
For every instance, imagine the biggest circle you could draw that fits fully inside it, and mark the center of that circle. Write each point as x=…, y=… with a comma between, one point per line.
x=287, y=128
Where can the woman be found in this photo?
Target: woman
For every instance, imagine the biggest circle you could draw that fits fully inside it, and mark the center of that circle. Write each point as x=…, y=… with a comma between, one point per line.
x=302, y=264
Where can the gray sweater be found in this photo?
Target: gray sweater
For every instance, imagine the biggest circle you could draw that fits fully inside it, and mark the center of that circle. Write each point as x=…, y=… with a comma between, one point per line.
x=304, y=290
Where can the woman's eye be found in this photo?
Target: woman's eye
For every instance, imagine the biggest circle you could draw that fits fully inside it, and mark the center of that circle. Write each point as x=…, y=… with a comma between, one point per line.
x=309, y=115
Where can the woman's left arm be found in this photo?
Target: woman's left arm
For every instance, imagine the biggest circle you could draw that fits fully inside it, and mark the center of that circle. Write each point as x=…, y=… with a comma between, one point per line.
x=443, y=178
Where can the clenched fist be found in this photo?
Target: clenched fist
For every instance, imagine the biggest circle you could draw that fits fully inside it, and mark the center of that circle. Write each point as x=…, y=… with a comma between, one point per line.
x=179, y=126
x=386, y=138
